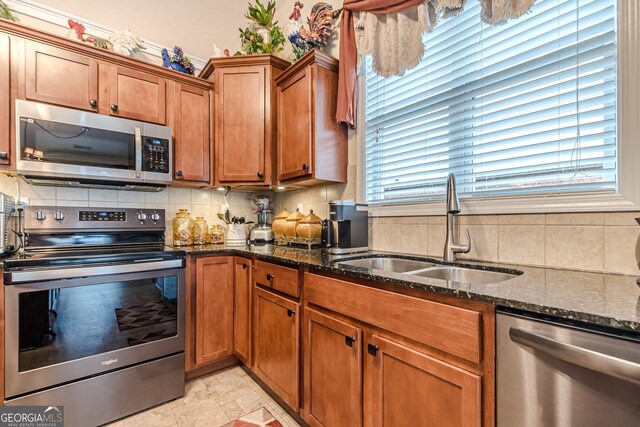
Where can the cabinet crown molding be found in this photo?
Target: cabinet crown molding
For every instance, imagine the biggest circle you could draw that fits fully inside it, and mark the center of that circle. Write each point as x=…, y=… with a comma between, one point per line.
x=242, y=60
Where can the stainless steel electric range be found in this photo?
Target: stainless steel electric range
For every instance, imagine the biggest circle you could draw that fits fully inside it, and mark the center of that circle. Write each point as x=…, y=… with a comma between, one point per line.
x=94, y=313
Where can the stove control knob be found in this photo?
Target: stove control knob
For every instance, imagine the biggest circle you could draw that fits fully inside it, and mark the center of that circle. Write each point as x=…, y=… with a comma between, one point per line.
x=155, y=217
x=40, y=215
x=142, y=217
x=58, y=215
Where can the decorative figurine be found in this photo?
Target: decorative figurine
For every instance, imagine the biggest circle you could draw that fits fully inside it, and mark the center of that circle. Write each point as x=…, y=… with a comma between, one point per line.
x=178, y=61
x=321, y=24
x=79, y=30
x=125, y=42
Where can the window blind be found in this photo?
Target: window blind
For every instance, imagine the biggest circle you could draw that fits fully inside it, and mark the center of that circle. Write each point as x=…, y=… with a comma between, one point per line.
x=524, y=108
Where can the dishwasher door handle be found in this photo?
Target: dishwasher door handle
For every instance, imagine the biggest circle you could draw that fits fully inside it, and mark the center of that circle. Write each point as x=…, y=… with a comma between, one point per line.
x=590, y=359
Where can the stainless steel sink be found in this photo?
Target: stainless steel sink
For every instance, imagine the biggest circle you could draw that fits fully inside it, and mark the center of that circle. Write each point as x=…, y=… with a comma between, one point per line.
x=463, y=275
x=389, y=264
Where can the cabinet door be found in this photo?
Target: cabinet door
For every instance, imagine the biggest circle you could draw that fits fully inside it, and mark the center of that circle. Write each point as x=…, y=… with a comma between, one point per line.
x=404, y=387
x=5, y=99
x=214, y=309
x=242, y=310
x=332, y=371
x=276, y=344
x=137, y=95
x=192, y=137
x=57, y=76
x=240, y=124
x=295, y=127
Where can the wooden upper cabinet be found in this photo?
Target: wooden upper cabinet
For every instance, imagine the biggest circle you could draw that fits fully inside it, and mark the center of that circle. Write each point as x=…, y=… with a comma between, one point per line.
x=245, y=115
x=57, y=76
x=242, y=309
x=191, y=124
x=276, y=344
x=5, y=99
x=332, y=371
x=312, y=147
x=403, y=387
x=213, y=309
x=137, y=95
x=295, y=136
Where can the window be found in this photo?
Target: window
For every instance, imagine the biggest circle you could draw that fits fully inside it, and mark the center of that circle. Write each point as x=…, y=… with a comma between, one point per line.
x=527, y=108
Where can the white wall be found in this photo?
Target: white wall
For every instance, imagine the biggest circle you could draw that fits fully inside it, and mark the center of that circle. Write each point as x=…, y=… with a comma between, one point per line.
x=195, y=25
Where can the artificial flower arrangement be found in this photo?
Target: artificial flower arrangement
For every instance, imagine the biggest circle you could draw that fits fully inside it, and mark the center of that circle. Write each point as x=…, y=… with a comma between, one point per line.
x=262, y=35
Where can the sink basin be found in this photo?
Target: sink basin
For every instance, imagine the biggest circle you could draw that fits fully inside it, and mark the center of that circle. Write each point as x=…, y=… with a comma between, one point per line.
x=389, y=264
x=463, y=275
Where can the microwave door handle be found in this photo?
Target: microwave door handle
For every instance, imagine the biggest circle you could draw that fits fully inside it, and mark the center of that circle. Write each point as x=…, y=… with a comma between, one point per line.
x=138, y=142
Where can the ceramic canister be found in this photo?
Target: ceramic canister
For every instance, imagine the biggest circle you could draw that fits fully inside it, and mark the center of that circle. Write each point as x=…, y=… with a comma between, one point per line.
x=278, y=223
x=292, y=222
x=310, y=227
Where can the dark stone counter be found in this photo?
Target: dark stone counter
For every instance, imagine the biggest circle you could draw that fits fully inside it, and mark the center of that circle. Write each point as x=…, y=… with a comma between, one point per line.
x=607, y=300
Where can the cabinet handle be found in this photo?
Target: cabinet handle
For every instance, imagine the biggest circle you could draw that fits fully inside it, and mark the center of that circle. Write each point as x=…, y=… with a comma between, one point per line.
x=270, y=277
x=290, y=312
x=372, y=349
x=349, y=340
x=245, y=266
x=4, y=155
x=114, y=107
x=179, y=173
x=305, y=167
x=93, y=102
x=260, y=174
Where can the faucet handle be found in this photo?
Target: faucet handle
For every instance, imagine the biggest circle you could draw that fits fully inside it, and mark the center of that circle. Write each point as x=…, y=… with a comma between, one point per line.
x=467, y=248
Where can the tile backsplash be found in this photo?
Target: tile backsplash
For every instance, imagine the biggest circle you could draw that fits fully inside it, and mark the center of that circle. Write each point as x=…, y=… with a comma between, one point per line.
x=603, y=242
x=205, y=203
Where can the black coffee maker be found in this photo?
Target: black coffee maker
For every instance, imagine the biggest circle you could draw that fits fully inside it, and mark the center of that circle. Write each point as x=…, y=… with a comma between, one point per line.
x=347, y=229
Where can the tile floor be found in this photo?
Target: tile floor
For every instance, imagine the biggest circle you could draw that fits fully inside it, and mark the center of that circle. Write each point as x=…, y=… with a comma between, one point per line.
x=211, y=401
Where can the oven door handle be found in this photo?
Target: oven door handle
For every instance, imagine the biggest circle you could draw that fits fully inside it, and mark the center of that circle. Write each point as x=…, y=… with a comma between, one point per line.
x=594, y=360
x=29, y=276
x=138, y=142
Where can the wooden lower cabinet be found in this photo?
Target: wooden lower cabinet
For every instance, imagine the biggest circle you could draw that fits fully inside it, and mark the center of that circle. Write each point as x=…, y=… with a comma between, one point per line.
x=332, y=371
x=242, y=268
x=404, y=387
x=213, y=309
x=276, y=344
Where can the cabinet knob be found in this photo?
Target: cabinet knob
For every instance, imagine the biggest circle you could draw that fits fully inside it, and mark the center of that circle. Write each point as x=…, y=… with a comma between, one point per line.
x=245, y=266
x=260, y=174
x=305, y=167
x=114, y=107
x=270, y=277
x=372, y=349
x=290, y=312
x=349, y=340
x=93, y=102
x=179, y=173
x=4, y=155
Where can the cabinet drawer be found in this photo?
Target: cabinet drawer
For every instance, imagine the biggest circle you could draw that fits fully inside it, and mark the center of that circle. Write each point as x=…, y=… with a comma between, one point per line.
x=454, y=330
x=279, y=278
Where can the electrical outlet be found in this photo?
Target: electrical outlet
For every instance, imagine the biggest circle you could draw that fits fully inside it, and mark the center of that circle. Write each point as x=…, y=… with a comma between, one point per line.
x=300, y=205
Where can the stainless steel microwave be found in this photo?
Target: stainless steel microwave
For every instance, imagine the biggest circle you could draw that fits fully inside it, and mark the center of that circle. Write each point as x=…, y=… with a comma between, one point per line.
x=65, y=144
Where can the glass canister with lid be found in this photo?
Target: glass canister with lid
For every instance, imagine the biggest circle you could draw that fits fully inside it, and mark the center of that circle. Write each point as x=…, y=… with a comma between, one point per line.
x=200, y=231
x=182, y=228
x=216, y=235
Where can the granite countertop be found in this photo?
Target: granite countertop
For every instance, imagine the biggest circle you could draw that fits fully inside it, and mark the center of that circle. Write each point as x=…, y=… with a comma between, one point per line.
x=608, y=300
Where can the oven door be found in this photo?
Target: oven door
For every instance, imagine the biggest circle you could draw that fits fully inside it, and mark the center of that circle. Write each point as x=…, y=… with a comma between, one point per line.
x=63, y=330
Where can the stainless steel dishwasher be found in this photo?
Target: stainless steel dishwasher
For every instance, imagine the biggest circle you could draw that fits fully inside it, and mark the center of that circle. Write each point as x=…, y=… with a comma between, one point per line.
x=553, y=374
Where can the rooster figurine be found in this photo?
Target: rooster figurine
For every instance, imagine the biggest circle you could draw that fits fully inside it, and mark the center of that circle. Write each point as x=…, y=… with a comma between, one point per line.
x=321, y=24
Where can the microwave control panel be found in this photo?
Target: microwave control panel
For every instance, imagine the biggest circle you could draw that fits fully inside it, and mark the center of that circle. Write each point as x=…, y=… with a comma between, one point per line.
x=155, y=155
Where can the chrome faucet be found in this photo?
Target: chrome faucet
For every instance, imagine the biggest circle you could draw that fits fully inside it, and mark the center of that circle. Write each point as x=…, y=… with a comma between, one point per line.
x=451, y=248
